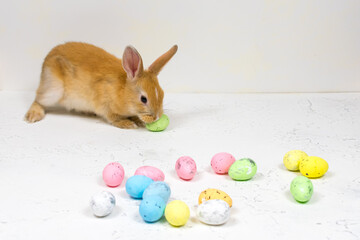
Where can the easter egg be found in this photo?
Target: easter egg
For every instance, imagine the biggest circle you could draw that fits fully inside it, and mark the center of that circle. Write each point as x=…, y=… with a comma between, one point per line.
x=293, y=158
x=151, y=172
x=313, y=167
x=221, y=162
x=159, y=125
x=113, y=174
x=211, y=193
x=185, y=168
x=243, y=169
x=157, y=188
x=102, y=203
x=136, y=185
x=152, y=208
x=302, y=189
x=213, y=212
x=177, y=213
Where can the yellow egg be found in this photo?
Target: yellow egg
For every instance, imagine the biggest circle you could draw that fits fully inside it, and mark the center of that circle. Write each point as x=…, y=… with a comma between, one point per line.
x=293, y=158
x=313, y=167
x=177, y=213
x=212, y=193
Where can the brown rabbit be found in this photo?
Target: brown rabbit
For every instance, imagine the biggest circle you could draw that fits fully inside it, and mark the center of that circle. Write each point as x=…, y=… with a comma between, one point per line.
x=85, y=78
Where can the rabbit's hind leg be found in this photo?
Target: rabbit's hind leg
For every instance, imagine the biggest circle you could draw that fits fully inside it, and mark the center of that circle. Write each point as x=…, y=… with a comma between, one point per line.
x=49, y=93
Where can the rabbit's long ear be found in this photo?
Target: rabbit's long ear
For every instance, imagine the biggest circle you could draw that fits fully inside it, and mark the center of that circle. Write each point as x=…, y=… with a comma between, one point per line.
x=159, y=63
x=132, y=63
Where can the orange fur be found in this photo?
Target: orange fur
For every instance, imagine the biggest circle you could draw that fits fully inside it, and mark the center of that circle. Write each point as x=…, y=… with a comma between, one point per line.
x=83, y=77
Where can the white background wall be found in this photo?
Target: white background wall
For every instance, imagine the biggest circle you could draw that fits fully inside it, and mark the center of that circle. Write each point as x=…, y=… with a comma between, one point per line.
x=224, y=46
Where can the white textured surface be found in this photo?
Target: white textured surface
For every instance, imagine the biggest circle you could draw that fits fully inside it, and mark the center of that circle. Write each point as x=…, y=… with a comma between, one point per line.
x=50, y=170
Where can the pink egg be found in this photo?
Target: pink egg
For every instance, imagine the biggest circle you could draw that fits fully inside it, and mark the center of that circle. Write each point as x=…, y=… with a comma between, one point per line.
x=151, y=172
x=185, y=168
x=113, y=174
x=221, y=162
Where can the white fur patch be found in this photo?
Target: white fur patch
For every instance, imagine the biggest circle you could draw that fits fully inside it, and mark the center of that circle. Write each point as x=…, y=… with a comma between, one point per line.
x=51, y=89
x=74, y=102
x=156, y=93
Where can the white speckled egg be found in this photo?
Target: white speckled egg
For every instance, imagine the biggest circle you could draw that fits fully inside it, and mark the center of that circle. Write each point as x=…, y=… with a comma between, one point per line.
x=102, y=203
x=213, y=212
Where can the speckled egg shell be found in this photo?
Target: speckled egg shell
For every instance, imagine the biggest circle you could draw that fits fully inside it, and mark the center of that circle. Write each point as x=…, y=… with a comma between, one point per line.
x=136, y=185
x=160, y=125
x=293, y=158
x=102, y=203
x=151, y=209
x=185, y=168
x=243, y=169
x=113, y=174
x=221, y=162
x=212, y=193
x=213, y=212
x=157, y=188
x=302, y=189
x=313, y=167
x=151, y=172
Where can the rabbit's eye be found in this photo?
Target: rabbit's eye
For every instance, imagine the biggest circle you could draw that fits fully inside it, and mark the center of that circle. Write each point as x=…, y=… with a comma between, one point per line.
x=143, y=99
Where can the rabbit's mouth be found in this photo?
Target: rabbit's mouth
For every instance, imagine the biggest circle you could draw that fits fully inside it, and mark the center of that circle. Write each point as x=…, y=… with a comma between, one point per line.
x=147, y=118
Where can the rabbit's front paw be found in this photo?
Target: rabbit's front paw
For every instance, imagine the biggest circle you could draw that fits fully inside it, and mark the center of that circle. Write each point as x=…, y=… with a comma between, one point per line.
x=137, y=121
x=125, y=123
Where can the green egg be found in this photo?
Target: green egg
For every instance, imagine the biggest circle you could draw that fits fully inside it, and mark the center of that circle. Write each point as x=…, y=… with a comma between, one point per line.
x=302, y=189
x=243, y=169
x=159, y=125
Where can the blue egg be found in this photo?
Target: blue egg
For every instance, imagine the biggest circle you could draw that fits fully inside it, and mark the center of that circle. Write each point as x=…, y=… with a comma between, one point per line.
x=152, y=208
x=136, y=185
x=158, y=189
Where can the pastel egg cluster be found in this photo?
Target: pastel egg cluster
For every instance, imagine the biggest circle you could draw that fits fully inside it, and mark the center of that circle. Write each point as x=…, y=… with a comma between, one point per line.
x=155, y=195
x=222, y=163
x=309, y=166
x=214, y=207
x=102, y=204
x=147, y=184
x=301, y=187
x=239, y=170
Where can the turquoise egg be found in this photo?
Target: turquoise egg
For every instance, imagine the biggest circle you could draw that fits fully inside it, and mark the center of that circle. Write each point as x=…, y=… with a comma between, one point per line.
x=243, y=169
x=136, y=185
x=152, y=208
x=157, y=188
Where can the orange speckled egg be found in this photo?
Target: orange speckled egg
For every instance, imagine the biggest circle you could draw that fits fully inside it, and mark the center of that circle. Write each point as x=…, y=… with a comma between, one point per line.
x=212, y=193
